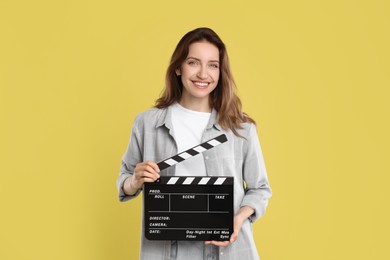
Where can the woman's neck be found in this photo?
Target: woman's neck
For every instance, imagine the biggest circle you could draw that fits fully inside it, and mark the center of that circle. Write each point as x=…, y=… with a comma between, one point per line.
x=201, y=105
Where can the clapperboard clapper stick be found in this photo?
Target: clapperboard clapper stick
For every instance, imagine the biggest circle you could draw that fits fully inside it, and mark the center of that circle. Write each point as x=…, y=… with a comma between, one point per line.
x=191, y=152
x=189, y=208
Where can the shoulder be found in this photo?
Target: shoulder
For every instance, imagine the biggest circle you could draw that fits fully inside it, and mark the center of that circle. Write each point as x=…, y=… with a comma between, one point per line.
x=247, y=131
x=150, y=113
x=149, y=117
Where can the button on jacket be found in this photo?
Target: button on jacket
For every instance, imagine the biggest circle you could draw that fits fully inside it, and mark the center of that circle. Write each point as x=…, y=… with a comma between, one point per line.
x=153, y=139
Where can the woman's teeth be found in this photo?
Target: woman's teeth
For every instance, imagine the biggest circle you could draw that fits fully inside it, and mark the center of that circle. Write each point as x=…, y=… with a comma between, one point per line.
x=201, y=84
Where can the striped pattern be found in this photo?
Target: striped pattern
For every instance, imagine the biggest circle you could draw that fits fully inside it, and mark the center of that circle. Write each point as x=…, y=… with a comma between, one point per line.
x=192, y=152
x=207, y=180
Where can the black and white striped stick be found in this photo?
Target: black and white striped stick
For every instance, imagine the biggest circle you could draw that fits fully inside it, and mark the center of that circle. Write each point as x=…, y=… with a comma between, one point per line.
x=195, y=180
x=192, y=152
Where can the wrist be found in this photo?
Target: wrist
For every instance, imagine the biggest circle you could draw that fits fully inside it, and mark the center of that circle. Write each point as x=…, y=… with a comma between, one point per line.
x=128, y=186
x=245, y=212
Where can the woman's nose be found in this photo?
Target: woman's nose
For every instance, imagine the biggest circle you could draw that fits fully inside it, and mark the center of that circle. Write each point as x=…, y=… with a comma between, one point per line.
x=202, y=73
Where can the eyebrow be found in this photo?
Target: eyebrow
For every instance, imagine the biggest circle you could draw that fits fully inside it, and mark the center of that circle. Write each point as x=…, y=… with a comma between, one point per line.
x=200, y=60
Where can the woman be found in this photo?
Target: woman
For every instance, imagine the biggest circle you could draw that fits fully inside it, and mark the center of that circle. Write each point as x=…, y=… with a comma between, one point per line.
x=198, y=104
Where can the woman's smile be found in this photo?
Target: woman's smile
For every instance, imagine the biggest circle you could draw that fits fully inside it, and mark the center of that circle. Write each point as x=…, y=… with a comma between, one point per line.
x=201, y=84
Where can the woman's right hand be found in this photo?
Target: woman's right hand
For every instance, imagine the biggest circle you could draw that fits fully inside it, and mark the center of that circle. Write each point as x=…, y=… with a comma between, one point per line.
x=144, y=172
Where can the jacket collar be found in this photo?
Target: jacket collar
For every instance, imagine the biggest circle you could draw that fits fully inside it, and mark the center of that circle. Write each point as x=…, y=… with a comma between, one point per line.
x=166, y=119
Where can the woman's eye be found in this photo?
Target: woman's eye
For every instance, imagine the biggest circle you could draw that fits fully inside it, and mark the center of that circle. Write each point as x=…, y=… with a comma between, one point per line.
x=214, y=66
x=192, y=62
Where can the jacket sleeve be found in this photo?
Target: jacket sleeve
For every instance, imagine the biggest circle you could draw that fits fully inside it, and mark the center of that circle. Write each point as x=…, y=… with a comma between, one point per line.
x=132, y=156
x=257, y=188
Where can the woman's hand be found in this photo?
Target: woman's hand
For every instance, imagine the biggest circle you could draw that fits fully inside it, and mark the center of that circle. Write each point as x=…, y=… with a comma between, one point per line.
x=243, y=214
x=144, y=172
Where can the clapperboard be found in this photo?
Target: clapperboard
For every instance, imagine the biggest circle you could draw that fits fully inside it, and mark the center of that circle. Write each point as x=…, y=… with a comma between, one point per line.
x=189, y=208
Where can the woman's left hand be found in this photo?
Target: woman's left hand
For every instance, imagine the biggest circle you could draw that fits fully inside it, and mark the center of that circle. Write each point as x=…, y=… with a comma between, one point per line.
x=243, y=214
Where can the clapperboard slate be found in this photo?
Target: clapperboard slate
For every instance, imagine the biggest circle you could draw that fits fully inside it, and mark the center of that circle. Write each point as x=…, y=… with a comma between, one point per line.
x=189, y=208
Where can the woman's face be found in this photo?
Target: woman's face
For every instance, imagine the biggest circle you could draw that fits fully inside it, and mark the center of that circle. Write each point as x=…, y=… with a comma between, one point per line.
x=199, y=72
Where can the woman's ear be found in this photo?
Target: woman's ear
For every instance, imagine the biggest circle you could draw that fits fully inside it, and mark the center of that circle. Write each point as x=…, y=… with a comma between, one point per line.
x=178, y=72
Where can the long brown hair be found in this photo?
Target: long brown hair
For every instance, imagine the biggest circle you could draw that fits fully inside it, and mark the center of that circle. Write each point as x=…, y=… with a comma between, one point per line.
x=223, y=99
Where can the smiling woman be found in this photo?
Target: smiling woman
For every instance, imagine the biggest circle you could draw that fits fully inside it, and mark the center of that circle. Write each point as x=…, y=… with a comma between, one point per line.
x=199, y=103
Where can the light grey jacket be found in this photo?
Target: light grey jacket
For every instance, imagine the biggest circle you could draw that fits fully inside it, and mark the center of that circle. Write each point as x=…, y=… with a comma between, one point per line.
x=152, y=138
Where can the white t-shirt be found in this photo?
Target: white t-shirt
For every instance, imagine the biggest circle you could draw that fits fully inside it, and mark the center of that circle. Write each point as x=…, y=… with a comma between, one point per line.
x=188, y=126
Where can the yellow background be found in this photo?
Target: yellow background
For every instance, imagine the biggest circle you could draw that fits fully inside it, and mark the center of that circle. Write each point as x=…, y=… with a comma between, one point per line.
x=313, y=74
